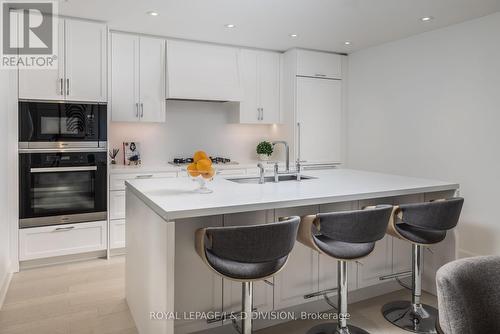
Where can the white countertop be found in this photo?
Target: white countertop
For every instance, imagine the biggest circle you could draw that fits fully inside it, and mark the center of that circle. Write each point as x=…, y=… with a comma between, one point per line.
x=174, y=198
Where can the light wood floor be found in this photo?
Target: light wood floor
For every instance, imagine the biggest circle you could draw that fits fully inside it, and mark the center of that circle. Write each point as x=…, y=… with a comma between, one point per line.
x=89, y=297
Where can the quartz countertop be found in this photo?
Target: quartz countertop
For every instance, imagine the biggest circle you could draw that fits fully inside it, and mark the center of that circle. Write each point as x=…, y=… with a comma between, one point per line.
x=175, y=198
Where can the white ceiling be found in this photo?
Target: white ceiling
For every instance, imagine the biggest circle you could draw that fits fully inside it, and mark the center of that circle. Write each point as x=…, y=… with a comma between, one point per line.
x=320, y=24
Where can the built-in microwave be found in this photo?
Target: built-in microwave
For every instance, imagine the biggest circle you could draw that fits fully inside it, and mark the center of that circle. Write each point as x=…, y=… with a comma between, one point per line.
x=61, y=187
x=62, y=125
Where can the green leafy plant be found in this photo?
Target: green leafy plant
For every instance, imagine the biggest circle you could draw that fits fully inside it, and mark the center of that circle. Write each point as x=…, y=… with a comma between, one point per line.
x=265, y=147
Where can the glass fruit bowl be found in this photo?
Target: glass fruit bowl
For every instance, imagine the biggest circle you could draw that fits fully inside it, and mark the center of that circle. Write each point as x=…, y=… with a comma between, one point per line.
x=202, y=177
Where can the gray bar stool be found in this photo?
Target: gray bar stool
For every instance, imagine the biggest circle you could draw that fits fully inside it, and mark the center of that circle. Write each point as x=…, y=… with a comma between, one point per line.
x=246, y=254
x=345, y=236
x=422, y=224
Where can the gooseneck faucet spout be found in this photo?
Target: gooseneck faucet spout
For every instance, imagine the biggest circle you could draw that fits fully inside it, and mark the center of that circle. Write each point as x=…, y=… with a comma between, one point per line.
x=287, y=152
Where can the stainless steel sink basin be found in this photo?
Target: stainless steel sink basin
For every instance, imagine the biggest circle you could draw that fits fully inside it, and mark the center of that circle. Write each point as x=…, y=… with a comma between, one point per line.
x=270, y=179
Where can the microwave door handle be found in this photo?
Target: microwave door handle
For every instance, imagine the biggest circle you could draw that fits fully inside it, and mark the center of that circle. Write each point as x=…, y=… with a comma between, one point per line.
x=63, y=169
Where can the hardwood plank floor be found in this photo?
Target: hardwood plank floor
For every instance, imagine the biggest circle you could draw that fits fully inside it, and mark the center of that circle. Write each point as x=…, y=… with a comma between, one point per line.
x=89, y=298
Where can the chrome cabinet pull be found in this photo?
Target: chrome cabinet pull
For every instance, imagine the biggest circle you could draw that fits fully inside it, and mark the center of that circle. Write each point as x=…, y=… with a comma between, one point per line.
x=142, y=110
x=61, y=88
x=148, y=176
x=137, y=110
x=258, y=114
x=261, y=114
x=67, y=86
x=62, y=229
x=320, y=75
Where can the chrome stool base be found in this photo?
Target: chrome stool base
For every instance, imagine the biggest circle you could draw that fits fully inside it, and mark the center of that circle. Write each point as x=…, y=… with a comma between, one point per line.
x=417, y=319
x=332, y=328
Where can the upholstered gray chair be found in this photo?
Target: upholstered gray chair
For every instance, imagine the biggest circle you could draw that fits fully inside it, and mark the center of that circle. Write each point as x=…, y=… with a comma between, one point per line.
x=421, y=224
x=246, y=254
x=344, y=236
x=468, y=296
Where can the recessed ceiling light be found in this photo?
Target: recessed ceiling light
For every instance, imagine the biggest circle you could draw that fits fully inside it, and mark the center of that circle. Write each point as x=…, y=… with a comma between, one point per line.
x=426, y=18
x=230, y=26
x=347, y=43
x=152, y=13
x=294, y=35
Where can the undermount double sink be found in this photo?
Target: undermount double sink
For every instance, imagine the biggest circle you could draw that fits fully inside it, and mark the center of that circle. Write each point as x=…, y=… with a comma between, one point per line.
x=270, y=179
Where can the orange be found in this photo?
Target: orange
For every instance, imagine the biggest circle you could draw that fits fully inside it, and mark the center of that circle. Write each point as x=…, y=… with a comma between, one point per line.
x=199, y=155
x=209, y=174
x=192, y=170
x=204, y=165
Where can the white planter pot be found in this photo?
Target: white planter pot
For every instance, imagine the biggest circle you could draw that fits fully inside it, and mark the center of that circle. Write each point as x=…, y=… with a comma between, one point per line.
x=264, y=157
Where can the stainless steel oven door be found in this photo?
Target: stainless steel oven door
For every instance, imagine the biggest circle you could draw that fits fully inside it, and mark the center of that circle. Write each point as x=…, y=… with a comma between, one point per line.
x=59, y=188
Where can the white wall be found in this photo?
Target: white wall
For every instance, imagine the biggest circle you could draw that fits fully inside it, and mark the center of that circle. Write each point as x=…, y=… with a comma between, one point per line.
x=429, y=106
x=191, y=126
x=8, y=194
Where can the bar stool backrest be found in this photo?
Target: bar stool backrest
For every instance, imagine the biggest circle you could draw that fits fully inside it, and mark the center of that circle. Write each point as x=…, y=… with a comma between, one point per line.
x=255, y=243
x=358, y=226
x=439, y=215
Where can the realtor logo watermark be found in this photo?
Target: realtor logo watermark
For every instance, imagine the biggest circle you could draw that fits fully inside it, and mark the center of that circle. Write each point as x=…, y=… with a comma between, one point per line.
x=29, y=34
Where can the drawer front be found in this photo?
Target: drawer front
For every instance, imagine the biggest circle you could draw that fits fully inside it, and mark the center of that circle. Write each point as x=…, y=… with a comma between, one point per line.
x=116, y=204
x=117, y=181
x=319, y=64
x=49, y=241
x=117, y=234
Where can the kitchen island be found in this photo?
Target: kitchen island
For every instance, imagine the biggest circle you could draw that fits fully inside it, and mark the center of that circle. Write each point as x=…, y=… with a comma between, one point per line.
x=164, y=273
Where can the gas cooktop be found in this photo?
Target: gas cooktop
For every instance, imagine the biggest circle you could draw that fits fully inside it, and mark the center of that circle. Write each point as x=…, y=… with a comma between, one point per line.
x=215, y=160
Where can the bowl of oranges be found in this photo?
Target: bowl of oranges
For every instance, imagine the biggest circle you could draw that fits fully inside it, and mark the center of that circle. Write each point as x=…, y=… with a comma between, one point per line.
x=201, y=171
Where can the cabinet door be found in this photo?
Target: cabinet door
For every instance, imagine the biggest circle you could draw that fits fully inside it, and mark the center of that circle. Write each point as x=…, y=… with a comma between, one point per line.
x=249, y=105
x=117, y=234
x=202, y=71
x=152, y=79
x=319, y=111
x=262, y=292
x=117, y=204
x=197, y=287
x=319, y=64
x=269, y=86
x=124, y=99
x=300, y=275
x=45, y=84
x=85, y=61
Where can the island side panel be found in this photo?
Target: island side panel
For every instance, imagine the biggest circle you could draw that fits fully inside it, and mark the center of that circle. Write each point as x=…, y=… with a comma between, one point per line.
x=150, y=264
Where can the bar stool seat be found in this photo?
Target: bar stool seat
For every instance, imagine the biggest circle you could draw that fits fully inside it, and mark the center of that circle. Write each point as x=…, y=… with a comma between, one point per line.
x=420, y=235
x=343, y=250
x=239, y=270
x=246, y=254
x=344, y=236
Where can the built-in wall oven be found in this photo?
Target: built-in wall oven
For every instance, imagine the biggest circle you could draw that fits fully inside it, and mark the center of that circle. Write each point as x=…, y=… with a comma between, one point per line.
x=62, y=163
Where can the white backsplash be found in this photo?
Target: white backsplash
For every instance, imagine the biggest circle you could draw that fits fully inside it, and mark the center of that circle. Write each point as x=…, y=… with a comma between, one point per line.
x=191, y=126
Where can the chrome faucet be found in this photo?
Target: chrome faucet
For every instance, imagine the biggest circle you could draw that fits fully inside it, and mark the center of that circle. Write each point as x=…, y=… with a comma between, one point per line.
x=276, y=173
x=261, y=173
x=287, y=152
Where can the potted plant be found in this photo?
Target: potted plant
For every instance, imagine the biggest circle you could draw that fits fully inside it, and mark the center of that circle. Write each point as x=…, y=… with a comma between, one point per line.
x=264, y=150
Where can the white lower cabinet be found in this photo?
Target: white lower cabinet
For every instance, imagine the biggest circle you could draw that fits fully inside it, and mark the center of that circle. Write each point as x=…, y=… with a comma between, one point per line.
x=117, y=204
x=117, y=233
x=49, y=241
x=197, y=287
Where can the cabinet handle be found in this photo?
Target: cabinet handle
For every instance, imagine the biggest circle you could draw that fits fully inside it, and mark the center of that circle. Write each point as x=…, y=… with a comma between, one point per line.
x=62, y=229
x=61, y=88
x=142, y=110
x=261, y=114
x=148, y=176
x=320, y=75
x=67, y=86
x=137, y=110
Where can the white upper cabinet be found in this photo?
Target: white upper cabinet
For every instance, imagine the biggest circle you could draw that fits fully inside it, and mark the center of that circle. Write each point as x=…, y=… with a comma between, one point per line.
x=319, y=64
x=199, y=71
x=319, y=115
x=81, y=73
x=137, y=78
x=260, y=74
x=85, y=61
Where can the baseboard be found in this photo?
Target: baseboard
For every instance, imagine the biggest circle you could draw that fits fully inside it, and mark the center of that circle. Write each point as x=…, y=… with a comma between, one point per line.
x=4, y=286
x=462, y=253
x=50, y=261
